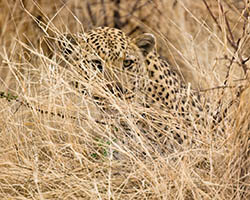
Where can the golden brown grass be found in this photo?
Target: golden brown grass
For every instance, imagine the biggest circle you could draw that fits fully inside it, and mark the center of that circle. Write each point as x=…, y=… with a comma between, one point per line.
x=43, y=156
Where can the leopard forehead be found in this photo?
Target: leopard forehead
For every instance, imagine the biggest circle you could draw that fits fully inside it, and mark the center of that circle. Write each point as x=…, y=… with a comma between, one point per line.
x=111, y=44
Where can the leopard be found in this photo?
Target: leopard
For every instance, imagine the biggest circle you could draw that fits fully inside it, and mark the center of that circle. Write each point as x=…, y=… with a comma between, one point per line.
x=134, y=71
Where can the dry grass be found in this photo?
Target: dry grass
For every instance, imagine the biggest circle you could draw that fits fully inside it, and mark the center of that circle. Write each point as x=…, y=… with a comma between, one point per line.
x=43, y=156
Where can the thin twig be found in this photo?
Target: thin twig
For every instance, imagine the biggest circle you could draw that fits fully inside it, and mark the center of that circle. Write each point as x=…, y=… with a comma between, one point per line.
x=229, y=29
x=217, y=88
x=211, y=13
x=230, y=38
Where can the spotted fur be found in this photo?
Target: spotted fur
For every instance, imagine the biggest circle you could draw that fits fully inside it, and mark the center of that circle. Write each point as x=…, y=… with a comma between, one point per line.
x=136, y=71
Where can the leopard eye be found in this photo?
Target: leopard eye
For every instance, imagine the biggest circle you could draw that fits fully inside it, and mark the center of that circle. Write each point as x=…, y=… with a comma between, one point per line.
x=98, y=65
x=127, y=63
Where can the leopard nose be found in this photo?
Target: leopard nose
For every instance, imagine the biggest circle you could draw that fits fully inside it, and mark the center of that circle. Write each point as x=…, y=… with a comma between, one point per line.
x=98, y=65
x=100, y=68
x=116, y=89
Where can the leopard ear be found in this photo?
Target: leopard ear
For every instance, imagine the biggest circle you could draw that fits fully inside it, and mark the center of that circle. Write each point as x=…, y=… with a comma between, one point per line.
x=145, y=42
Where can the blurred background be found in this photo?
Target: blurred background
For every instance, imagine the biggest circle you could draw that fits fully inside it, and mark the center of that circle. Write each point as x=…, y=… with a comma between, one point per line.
x=192, y=35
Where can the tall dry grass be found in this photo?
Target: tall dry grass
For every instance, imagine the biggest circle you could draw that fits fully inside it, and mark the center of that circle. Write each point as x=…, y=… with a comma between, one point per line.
x=85, y=152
